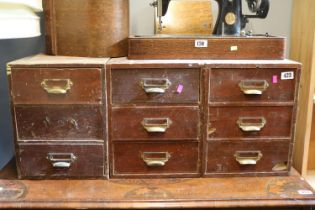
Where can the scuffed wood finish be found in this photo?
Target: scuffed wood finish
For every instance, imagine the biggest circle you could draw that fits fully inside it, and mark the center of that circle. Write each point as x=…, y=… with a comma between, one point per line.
x=224, y=122
x=62, y=123
x=34, y=161
x=181, y=47
x=130, y=105
x=197, y=111
x=128, y=160
x=92, y=28
x=222, y=103
x=128, y=123
x=224, y=85
x=127, y=87
x=27, y=85
x=221, y=157
x=72, y=123
x=243, y=193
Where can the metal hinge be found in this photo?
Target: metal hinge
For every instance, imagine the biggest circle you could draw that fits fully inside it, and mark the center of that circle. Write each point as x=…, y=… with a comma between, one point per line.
x=9, y=70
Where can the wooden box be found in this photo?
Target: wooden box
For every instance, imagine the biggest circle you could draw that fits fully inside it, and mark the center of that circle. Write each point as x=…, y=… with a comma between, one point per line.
x=87, y=28
x=59, y=112
x=206, y=47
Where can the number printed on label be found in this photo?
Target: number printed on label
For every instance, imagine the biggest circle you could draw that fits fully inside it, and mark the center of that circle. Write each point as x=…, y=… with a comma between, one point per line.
x=201, y=43
x=305, y=192
x=287, y=75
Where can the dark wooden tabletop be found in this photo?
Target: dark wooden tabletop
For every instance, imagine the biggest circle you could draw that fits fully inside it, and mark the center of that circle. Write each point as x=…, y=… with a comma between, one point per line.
x=241, y=192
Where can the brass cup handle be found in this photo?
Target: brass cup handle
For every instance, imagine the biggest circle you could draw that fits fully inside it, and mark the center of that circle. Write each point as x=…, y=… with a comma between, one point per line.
x=155, y=85
x=61, y=160
x=156, y=125
x=245, y=124
x=155, y=159
x=248, y=158
x=50, y=86
x=253, y=87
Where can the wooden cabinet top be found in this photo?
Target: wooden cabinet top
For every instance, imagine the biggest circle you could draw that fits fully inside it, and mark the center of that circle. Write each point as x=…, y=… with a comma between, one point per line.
x=56, y=61
x=123, y=62
x=235, y=192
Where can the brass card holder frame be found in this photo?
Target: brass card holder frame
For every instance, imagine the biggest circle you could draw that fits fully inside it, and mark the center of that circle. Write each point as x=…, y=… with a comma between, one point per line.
x=154, y=125
x=253, y=87
x=248, y=157
x=57, y=89
x=155, y=161
x=61, y=160
x=155, y=85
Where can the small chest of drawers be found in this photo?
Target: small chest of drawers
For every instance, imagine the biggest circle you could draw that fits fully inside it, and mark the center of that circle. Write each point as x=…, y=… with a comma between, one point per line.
x=94, y=118
x=59, y=109
x=155, y=120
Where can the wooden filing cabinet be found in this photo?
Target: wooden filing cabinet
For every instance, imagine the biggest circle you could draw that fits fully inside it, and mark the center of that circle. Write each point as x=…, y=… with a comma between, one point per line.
x=155, y=126
x=59, y=109
x=251, y=118
x=94, y=118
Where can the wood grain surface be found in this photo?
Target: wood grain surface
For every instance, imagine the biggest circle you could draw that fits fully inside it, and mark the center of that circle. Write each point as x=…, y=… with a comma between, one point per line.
x=181, y=47
x=87, y=28
x=27, y=85
x=184, y=123
x=187, y=17
x=277, y=193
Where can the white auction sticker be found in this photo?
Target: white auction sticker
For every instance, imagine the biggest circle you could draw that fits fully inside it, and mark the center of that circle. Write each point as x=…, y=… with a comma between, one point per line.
x=199, y=43
x=287, y=75
x=305, y=192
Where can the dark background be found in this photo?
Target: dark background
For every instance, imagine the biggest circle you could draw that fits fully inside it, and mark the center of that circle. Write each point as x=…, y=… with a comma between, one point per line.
x=12, y=49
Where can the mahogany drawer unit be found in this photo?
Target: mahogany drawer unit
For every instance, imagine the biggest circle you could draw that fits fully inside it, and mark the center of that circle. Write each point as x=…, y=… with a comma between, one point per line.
x=99, y=118
x=59, y=109
x=155, y=118
x=155, y=159
x=251, y=118
x=61, y=161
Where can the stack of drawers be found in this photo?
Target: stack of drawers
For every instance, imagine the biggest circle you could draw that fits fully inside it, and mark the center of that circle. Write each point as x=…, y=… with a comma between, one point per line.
x=155, y=120
x=59, y=107
x=74, y=118
x=251, y=118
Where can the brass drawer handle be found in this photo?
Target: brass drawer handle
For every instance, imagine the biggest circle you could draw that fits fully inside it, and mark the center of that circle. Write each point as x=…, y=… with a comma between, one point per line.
x=253, y=87
x=56, y=86
x=250, y=124
x=61, y=160
x=155, y=85
x=155, y=159
x=248, y=157
x=156, y=125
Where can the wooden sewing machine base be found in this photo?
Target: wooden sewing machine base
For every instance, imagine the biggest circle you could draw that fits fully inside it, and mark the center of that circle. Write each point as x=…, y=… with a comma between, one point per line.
x=290, y=192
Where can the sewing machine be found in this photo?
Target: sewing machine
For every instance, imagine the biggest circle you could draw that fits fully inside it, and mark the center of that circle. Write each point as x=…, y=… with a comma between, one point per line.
x=230, y=20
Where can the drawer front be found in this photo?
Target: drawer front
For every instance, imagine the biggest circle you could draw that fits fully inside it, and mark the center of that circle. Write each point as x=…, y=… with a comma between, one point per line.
x=59, y=123
x=155, y=85
x=56, y=86
x=246, y=157
x=149, y=159
x=155, y=123
x=60, y=161
x=249, y=122
x=252, y=85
